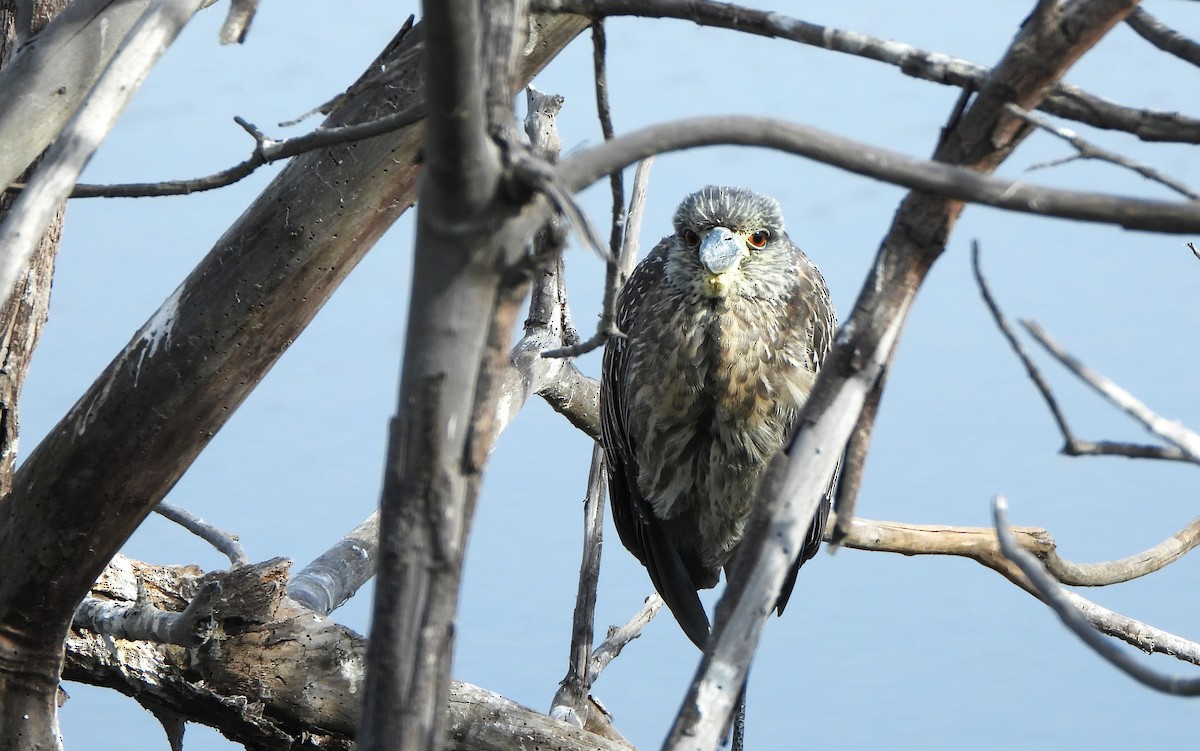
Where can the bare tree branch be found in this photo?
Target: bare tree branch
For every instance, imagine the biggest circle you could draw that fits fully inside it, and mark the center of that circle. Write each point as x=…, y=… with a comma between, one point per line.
x=1072, y=445
x=1062, y=99
x=228, y=544
x=237, y=23
x=619, y=637
x=1050, y=593
x=141, y=620
x=1086, y=150
x=266, y=151
x=1164, y=37
x=329, y=581
x=981, y=545
x=570, y=702
x=283, y=679
x=882, y=164
x=1187, y=441
x=43, y=86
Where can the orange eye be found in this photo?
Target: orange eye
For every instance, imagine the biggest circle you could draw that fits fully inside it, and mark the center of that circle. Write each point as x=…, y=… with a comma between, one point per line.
x=691, y=238
x=759, y=239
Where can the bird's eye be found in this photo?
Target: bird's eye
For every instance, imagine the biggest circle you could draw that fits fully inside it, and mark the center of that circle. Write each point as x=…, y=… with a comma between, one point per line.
x=759, y=239
x=691, y=238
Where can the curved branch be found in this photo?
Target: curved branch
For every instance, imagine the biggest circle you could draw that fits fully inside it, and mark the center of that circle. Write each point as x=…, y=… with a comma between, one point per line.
x=981, y=545
x=882, y=164
x=1049, y=592
x=226, y=543
x=1085, y=149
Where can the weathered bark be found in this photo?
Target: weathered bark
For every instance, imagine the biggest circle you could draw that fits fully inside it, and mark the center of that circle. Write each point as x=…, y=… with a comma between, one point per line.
x=28, y=707
x=464, y=303
x=45, y=84
x=276, y=676
x=137, y=429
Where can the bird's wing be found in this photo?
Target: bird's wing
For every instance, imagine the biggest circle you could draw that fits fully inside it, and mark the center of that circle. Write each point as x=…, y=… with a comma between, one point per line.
x=812, y=310
x=640, y=531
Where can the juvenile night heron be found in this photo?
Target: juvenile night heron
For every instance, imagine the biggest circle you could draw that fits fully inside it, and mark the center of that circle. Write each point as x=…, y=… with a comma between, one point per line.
x=726, y=324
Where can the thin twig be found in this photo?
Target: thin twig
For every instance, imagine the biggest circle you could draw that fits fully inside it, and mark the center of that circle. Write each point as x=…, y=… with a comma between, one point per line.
x=228, y=544
x=539, y=175
x=1169, y=430
x=1086, y=150
x=1053, y=595
x=604, y=112
x=1072, y=444
x=617, y=273
x=620, y=636
x=266, y=151
x=570, y=702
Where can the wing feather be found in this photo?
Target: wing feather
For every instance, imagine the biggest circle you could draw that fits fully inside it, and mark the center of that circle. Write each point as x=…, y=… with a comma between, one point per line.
x=640, y=531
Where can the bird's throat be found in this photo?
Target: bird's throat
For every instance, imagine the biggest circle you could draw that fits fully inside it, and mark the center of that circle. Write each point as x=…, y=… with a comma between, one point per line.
x=718, y=285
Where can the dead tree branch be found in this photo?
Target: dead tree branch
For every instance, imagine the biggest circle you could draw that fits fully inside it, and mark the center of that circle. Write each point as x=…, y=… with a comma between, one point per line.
x=1164, y=37
x=1049, y=592
x=223, y=541
x=282, y=679
x=266, y=151
x=943, y=179
x=142, y=621
x=1062, y=100
x=1072, y=445
x=1169, y=430
x=42, y=86
x=1085, y=149
x=22, y=229
x=334, y=576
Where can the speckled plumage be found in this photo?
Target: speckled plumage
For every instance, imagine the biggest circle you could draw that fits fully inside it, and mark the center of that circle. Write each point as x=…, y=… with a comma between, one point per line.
x=723, y=340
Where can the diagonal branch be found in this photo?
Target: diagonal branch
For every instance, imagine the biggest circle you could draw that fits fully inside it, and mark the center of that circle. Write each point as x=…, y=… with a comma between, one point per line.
x=1164, y=37
x=1085, y=149
x=1185, y=440
x=1062, y=100
x=1072, y=444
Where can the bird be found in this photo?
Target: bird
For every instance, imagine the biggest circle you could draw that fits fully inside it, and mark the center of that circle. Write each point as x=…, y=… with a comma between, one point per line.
x=723, y=329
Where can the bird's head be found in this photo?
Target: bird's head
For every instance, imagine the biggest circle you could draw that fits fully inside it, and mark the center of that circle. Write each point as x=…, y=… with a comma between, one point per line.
x=726, y=239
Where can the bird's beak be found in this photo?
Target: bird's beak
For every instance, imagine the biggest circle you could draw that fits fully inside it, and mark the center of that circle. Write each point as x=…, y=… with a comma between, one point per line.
x=721, y=249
